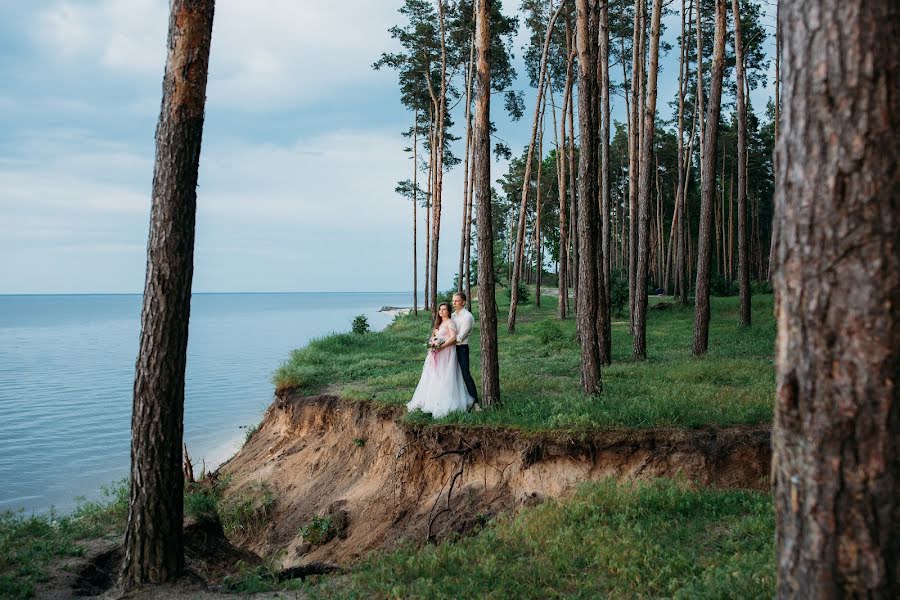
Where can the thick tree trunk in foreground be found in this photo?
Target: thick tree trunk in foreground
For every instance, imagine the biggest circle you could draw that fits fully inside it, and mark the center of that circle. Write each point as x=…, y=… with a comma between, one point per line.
x=639, y=348
x=415, y=208
x=154, y=547
x=490, y=369
x=708, y=186
x=836, y=434
x=743, y=257
x=586, y=305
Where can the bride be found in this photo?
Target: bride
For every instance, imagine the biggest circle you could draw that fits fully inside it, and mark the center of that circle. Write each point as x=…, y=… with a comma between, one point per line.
x=441, y=388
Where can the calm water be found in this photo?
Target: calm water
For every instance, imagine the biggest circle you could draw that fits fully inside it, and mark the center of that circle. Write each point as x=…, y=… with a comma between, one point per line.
x=67, y=370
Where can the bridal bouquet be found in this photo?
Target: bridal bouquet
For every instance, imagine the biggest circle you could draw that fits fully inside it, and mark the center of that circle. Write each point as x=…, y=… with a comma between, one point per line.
x=435, y=343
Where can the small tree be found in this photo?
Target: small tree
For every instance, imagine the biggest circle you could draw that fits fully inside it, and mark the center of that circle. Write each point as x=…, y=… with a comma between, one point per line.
x=360, y=324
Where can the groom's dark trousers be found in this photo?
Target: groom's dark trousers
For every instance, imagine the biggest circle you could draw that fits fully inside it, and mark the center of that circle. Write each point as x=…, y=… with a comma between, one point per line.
x=462, y=354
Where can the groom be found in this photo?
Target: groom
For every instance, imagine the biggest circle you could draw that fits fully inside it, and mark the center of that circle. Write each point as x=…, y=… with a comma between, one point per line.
x=464, y=321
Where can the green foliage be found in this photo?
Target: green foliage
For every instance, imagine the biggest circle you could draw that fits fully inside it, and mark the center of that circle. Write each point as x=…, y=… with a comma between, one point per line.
x=265, y=577
x=360, y=324
x=659, y=539
x=359, y=442
x=318, y=531
x=719, y=285
x=29, y=545
x=251, y=429
x=548, y=332
x=760, y=287
x=523, y=294
x=247, y=510
x=618, y=293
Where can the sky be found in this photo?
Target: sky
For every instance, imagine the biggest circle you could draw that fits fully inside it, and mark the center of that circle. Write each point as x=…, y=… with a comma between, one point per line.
x=301, y=148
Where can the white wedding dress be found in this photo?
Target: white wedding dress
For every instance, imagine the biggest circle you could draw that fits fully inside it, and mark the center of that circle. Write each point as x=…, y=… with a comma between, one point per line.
x=441, y=388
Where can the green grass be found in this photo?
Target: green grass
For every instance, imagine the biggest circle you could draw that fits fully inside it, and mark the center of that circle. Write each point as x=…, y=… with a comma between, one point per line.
x=647, y=540
x=539, y=370
x=29, y=546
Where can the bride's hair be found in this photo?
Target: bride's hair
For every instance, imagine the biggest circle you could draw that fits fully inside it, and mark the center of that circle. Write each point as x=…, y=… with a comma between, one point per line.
x=437, y=317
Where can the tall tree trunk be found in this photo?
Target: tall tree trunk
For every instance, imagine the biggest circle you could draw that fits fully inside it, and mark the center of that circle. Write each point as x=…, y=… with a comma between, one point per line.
x=708, y=182
x=441, y=108
x=520, y=237
x=464, y=236
x=836, y=433
x=606, y=316
x=469, y=213
x=537, y=209
x=487, y=303
x=586, y=304
x=562, y=306
x=634, y=137
x=432, y=143
x=639, y=349
x=677, y=218
x=573, y=188
x=743, y=258
x=415, y=207
x=154, y=544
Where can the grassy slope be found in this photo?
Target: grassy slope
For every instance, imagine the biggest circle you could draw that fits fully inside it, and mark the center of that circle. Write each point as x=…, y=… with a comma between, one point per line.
x=649, y=540
x=539, y=368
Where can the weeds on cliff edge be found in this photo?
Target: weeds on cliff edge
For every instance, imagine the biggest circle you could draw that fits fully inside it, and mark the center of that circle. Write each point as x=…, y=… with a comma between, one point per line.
x=539, y=370
x=30, y=545
x=656, y=539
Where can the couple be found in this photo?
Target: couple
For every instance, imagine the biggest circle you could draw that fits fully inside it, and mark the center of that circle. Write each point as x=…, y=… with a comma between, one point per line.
x=446, y=384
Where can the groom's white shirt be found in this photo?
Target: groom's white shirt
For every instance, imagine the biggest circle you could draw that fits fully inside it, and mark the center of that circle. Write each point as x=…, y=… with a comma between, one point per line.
x=464, y=322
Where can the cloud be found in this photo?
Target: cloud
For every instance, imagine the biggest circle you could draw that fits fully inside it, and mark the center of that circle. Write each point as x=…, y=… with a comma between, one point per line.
x=317, y=213
x=273, y=55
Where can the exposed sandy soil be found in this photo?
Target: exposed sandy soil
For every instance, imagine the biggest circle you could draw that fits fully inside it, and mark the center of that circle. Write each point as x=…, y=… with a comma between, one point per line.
x=381, y=481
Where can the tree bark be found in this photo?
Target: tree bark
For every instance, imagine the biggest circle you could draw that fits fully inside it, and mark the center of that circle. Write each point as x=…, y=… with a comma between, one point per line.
x=586, y=305
x=836, y=433
x=441, y=108
x=605, y=313
x=708, y=183
x=520, y=237
x=463, y=237
x=154, y=544
x=639, y=348
x=634, y=137
x=490, y=369
x=743, y=258
x=561, y=160
x=415, y=208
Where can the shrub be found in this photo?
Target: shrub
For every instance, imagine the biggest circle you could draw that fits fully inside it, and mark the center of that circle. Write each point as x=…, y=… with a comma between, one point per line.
x=618, y=293
x=719, y=285
x=548, y=332
x=760, y=287
x=360, y=324
x=318, y=531
x=523, y=293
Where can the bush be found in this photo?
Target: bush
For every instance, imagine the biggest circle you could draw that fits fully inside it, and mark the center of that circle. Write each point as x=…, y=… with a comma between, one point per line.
x=360, y=324
x=548, y=332
x=719, y=285
x=618, y=293
x=760, y=287
x=523, y=293
x=318, y=531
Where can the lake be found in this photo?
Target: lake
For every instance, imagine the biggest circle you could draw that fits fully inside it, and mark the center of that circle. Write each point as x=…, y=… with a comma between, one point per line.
x=67, y=370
